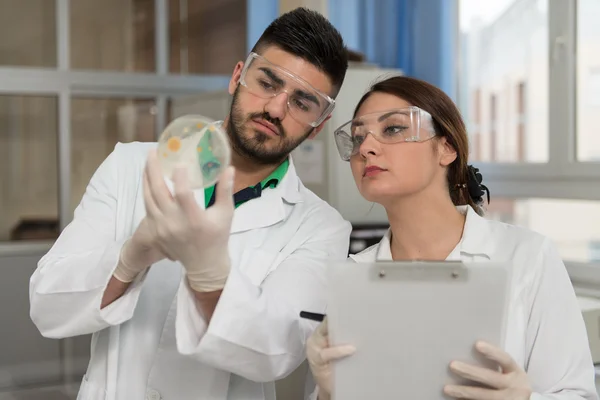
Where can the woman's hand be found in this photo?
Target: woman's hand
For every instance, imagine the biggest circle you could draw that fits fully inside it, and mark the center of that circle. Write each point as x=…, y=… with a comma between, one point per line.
x=320, y=356
x=510, y=383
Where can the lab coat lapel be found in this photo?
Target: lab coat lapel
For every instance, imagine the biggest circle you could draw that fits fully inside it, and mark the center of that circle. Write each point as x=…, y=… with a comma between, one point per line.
x=268, y=209
x=478, y=237
x=258, y=213
x=384, y=250
x=477, y=241
x=264, y=211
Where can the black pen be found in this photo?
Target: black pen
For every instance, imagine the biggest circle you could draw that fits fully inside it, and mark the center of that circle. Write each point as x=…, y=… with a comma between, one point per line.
x=312, y=316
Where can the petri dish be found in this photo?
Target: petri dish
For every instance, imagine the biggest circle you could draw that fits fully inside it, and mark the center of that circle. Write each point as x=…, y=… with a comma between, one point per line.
x=198, y=144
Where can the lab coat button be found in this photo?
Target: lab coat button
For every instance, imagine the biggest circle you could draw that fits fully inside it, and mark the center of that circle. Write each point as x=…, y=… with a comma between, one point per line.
x=152, y=394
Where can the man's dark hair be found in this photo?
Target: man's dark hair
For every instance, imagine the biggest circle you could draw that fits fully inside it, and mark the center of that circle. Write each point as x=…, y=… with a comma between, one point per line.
x=309, y=35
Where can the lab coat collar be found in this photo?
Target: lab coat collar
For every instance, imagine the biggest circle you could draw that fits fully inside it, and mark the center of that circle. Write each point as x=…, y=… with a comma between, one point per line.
x=477, y=237
x=268, y=209
x=289, y=187
x=476, y=240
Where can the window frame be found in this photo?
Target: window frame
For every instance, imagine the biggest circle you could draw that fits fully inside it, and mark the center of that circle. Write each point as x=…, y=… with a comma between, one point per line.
x=562, y=176
x=67, y=83
x=562, y=165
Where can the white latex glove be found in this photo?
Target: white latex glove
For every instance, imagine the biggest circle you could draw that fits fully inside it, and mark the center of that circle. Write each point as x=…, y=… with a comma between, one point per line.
x=196, y=237
x=511, y=383
x=320, y=355
x=138, y=253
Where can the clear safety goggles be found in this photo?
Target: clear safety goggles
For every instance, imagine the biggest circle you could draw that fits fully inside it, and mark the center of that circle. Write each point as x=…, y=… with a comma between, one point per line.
x=392, y=126
x=266, y=80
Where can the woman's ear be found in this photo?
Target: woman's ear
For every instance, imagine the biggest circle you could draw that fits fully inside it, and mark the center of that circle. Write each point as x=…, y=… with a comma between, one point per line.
x=446, y=152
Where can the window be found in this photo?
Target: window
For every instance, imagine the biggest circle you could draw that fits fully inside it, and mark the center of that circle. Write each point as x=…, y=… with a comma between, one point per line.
x=571, y=224
x=107, y=89
x=519, y=80
x=521, y=122
x=476, y=126
x=28, y=33
x=588, y=80
x=206, y=37
x=115, y=35
x=504, y=44
x=28, y=168
x=493, y=128
x=97, y=125
x=214, y=105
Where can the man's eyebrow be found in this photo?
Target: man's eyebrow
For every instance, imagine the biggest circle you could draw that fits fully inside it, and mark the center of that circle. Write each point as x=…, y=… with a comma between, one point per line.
x=272, y=75
x=307, y=96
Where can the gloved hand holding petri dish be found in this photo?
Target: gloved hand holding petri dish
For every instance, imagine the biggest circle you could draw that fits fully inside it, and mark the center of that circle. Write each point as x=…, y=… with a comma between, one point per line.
x=197, y=143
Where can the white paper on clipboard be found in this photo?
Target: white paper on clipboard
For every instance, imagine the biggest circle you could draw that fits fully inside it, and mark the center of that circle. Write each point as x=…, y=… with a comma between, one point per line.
x=409, y=320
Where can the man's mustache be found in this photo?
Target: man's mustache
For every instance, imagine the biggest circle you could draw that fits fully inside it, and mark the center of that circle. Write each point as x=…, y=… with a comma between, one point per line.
x=274, y=121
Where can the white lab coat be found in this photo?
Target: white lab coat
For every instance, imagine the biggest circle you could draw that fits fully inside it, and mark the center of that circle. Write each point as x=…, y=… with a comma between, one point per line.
x=546, y=334
x=152, y=342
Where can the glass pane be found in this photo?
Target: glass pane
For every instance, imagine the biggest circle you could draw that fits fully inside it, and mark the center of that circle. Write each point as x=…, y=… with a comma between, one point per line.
x=115, y=35
x=28, y=33
x=28, y=168
x=97, y=125
x=504, y=79
x=206, y=37
x=588, y=80
x=571, y=224
x=214, y=105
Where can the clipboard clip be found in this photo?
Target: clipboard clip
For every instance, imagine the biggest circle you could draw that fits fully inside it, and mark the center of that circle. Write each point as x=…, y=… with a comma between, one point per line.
x=422, y=270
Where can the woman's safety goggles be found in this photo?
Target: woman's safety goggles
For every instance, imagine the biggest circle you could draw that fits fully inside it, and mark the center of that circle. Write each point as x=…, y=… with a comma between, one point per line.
x=392, y=126
x=266, y=80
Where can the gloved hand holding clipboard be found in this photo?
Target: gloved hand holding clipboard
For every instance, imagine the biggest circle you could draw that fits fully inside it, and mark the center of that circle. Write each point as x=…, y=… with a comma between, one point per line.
x=409, y=322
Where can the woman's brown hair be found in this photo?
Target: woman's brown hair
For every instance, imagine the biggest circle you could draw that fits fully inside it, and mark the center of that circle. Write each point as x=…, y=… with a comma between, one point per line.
x=447, y=122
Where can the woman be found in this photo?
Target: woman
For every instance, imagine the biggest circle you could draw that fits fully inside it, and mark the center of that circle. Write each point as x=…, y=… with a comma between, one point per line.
x=407, y=147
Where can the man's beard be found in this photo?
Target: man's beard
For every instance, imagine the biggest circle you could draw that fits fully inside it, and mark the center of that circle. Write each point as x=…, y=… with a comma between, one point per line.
x=250, y=144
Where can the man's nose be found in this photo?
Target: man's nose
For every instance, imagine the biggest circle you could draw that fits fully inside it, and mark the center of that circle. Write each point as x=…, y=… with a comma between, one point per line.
x=276, y=107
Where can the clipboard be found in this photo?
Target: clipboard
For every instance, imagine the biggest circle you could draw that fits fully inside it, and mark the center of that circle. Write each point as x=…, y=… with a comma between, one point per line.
x=409, y=320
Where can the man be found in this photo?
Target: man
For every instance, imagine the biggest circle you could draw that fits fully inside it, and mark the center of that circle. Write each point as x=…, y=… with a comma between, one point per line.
x=187, y=298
